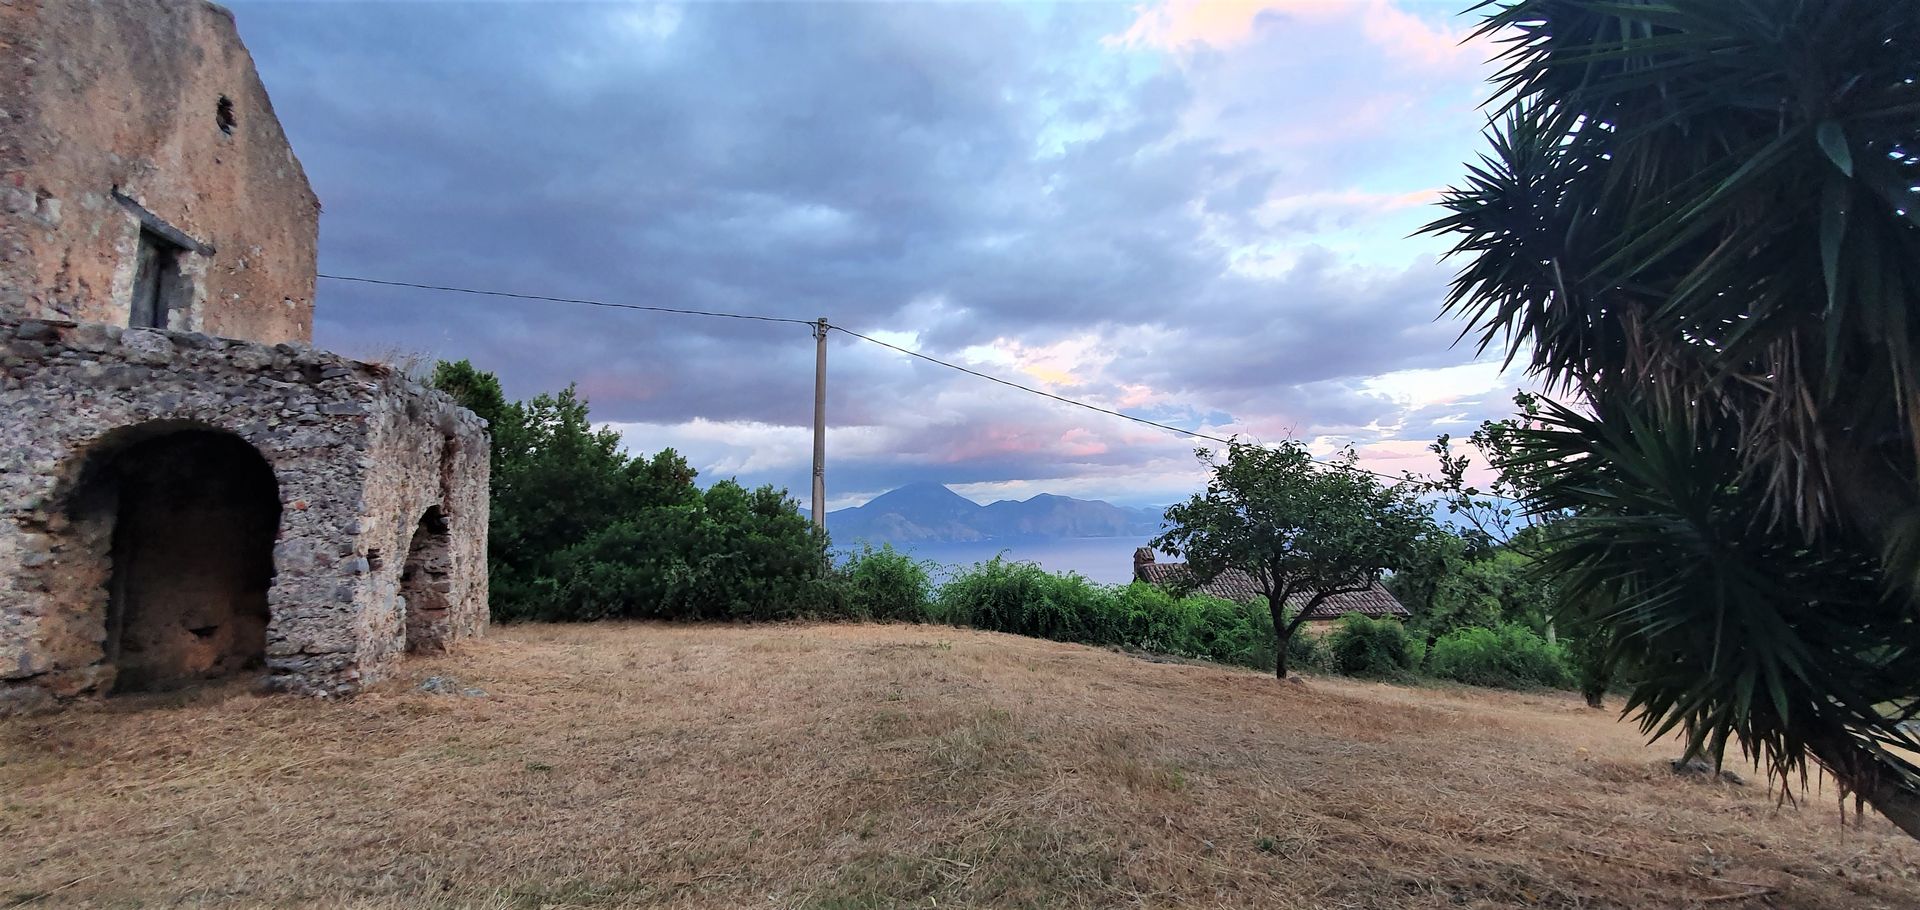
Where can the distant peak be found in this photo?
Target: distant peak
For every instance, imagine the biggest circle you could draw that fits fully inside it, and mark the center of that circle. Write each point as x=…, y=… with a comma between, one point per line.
x=923, y=494
x=919, y=486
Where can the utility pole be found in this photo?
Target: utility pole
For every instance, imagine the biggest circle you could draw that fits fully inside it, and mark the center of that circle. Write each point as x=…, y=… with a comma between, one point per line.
x=820, y=424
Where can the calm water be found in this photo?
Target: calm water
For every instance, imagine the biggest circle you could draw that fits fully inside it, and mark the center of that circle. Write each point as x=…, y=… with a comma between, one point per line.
x=1102, y=559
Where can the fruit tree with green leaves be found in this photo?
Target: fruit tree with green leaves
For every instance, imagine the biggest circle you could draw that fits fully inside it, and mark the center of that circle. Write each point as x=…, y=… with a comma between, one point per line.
x=1296, y=527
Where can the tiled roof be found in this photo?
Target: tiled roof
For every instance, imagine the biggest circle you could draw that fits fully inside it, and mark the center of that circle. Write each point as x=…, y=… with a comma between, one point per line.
x=1236, y=585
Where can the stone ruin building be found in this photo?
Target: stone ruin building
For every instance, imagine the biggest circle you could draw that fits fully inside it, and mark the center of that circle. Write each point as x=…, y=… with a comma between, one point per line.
x=188, y=489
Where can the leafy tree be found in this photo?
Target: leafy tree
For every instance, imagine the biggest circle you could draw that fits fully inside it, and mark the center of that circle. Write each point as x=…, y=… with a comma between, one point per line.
x=581, y=530
x=1506, y=566
x=1295, y=527
x=1698, y=222
x=1416, y=582
x=729, y=553
x=1497, y=515
x=477, y=391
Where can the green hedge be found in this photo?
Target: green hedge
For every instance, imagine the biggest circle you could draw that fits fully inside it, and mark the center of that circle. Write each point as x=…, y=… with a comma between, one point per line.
x=1508, y=656
x=1380, y=648
x=1023, y=599
x=886, y=584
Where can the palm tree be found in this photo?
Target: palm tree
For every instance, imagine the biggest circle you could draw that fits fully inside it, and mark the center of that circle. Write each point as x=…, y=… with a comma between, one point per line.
x=1699, y=226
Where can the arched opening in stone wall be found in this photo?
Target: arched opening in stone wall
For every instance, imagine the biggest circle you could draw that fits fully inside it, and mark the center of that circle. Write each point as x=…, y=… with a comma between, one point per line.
x=194, y=513
x=426, y=582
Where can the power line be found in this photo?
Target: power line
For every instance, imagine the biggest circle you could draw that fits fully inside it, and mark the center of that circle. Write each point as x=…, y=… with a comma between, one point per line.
x=845, y=331
x=574, y=300
x=1042, y=393
x=1081, y=404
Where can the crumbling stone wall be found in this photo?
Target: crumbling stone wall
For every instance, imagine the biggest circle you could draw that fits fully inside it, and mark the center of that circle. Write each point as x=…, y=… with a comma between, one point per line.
x=108, y=107
x=359, y=454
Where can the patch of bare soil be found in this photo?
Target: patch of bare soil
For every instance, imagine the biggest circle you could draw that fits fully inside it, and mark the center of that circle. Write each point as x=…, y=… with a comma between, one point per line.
x=883, y=766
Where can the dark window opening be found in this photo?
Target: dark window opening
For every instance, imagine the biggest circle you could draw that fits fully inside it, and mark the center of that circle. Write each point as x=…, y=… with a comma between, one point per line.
x=223, y=115
x=195, y=514
x=158, y=286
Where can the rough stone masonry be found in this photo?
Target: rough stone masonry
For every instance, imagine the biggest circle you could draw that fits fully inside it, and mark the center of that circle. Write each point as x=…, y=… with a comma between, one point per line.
x=188, y=489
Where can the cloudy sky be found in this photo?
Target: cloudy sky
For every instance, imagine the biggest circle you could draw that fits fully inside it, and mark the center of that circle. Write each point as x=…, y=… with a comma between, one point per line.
x=1197, y=213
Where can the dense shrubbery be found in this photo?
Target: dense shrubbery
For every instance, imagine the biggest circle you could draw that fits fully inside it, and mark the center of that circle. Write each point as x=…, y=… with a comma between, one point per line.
x=1207, y=628
x=1362, y=646
x=1023, y=599
x=1481, y=599
x=886, y=584
x=1508, y=656
x=727, y=553
x=580, y=530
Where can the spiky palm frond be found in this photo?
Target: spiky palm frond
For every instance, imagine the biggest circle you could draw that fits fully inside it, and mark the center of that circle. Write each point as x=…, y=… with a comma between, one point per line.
x=1717, y=197
x=1733, y=631
x=1701, y=219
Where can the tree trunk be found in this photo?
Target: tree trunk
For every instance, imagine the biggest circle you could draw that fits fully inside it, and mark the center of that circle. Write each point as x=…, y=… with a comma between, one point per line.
x=1864, y=774
x=1282, y=637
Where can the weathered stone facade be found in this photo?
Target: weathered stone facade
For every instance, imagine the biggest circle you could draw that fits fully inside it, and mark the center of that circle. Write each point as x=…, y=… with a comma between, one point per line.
x=187, y=488
x=112, y=111
x=360, y=455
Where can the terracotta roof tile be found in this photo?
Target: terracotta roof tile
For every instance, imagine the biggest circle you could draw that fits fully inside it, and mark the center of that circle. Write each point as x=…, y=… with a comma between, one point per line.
x=1236, y=585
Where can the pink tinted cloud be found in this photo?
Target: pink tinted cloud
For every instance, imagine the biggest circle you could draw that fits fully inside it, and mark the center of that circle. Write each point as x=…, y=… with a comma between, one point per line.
x=1080, y=443
x=996, y=440
x=1184, y=25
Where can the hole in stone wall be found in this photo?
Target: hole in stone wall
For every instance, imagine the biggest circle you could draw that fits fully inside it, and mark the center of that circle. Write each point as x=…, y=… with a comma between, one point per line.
x=195, y=516
x=426, y=582
x=223, y=115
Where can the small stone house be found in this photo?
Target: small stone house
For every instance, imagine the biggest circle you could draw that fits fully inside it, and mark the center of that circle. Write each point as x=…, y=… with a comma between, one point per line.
x=1376, y=602
x=189, y=489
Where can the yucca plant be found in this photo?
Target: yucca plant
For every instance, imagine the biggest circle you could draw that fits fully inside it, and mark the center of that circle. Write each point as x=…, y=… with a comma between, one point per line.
x=1699, y=225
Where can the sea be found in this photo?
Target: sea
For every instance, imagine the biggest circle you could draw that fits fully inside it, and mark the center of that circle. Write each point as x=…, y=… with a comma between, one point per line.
x=1108, y=560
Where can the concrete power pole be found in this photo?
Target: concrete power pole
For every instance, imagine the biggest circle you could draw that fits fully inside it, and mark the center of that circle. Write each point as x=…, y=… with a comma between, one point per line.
x=820, y=424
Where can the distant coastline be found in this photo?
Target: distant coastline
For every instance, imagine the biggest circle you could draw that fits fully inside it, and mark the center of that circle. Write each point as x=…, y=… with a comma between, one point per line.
x=931, y=513
x=1108, y=560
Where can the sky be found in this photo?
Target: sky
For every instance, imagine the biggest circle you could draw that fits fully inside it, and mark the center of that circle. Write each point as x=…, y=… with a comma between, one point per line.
x=1199, y=213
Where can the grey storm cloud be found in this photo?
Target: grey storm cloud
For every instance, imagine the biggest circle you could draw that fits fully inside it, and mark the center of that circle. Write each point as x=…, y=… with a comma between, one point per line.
x=963, y=173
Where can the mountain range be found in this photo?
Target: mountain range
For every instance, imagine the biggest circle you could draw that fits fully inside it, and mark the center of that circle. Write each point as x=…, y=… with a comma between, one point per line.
x=931, y=513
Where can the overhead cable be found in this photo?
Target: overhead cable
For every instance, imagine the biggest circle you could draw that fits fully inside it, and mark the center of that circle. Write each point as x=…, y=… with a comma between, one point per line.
x=1196, y=434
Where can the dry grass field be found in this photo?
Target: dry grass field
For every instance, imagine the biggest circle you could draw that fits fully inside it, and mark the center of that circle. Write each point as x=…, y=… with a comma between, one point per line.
x=882, y=766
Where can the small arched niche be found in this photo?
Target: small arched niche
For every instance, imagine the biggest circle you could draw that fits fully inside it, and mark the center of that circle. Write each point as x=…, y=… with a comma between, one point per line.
x=426, y=583
x=193, y=513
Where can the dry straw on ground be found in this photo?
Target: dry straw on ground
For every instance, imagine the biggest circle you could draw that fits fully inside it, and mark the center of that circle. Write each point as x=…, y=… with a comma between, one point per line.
x=862, y=766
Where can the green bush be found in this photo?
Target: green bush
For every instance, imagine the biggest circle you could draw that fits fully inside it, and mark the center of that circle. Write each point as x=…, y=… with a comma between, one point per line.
x=1308, y=651
x=1361, y=646
x=1019, y=597
x=1507, y=656
x=1197, y=626
x=730, y=554
x=1004, y=596
x=580, y=530
x=886, y=584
